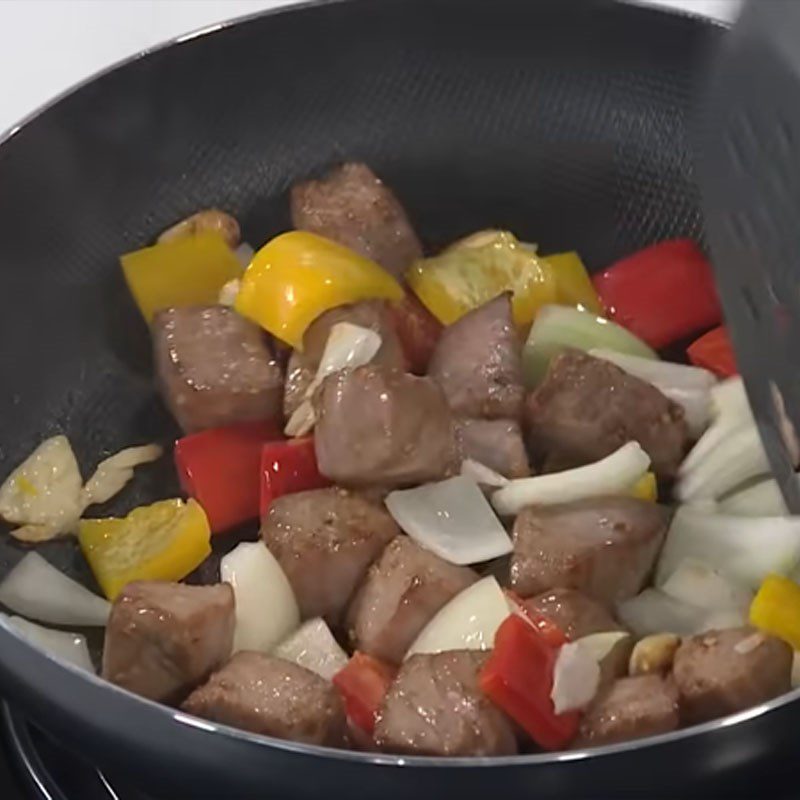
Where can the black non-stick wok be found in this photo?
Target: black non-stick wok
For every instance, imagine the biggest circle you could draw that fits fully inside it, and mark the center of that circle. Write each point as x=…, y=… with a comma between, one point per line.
x=566, y=122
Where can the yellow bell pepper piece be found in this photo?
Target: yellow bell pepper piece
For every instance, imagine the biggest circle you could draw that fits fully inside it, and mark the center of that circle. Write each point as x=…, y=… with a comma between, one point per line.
x=645, y=488
x=573, y=285
x=184, y=272
x=776, y=609
x=164, y=541
x=296, y=276
x=479, y=268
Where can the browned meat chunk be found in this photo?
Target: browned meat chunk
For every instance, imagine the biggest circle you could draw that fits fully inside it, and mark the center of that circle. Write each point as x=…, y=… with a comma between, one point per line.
x=215, y=367
x=325, y=540
x=302, y=366
x=630, y=708
x=382, y=427
x=399, y=596
x=603, y=546
x=272, y=697
x=495, y=443
x=721, y=672
x=435, y=707
x=163, y=639
x=587, y=408
x=352, y=206
x=477, y=363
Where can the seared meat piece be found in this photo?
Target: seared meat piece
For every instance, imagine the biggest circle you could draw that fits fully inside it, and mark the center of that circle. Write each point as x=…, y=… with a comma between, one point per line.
x=381, y=427
x=215, y=367
x=631, y=708
x=715, y=679
x=435, y=707
x=477, y=362
x=273, y=697
x=352, y=206
x=587, y=408
x=302, y=366
x=496, y=443
x=325, y=539
x=604, y=546
x=163, y=639
x=399, y=596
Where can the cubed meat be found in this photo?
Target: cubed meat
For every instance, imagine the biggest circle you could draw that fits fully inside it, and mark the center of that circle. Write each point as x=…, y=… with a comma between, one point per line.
x=435, y=707
x=602, y=546
x=273, y=697
x=302, y=367
x=215, y=367
x=631, y=708
x=477, y=361
x=495, y=443
x=164, y=639
x=325, y=540
x=382, y=427
x=587, y=408
x=722, y=672
x=352, y=206
x=401, y=593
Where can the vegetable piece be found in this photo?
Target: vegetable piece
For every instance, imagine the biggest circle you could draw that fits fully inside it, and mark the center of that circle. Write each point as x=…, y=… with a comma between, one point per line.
x=219, y=468
x=573, y=285
x=418, y=331
x=482, y=475
x=760, y=499
x=599, y=645
x=266, y=608
x=63, y=645
x=646, y=488
x=576, y=678
x=518, y=678
x=478, y=269
x=745, y=549
x=286, y=468
x=209, y=220
x=44, y=492
x=452, y=519
x=363, y=684
x=244, y=253
x=776, y=609
x=699, y=585
x=714, y=351
x=36, y=589
x=468, y=622
x=186, y=272
x=113, y=473
x=654, y=612
x=347, y=346
x=227, y=294
x=662, y=294
x=614, y=474
x=559, y=327
x=298, y=275
x=653, y=654
x=163, y=541
x=312, y=646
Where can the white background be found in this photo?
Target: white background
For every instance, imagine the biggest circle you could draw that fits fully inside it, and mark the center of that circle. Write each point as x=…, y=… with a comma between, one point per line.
x=46, y=46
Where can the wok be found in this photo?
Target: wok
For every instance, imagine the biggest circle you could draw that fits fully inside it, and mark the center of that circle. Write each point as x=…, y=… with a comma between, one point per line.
x=566, y=122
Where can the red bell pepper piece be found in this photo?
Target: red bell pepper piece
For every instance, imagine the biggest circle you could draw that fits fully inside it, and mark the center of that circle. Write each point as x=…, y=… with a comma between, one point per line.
x=518, y=678
x=714, y=351
x=287, y=467
x=219, y=468
x=418, y=331
x=363, y=683
x=662, y=294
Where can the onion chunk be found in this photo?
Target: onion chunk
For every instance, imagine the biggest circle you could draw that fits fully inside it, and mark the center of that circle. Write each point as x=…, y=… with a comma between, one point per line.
x=62, y=645
x=312, y=646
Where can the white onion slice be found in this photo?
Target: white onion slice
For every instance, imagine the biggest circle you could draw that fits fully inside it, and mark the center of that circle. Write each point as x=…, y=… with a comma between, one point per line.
x=745, y=549
x=576, y=678
x=229, y=292
x=699, y=585
x=760, y=499
x=266, y=608
x=112, y=474
x=653, y=612
x=696, y=405
x=468, y=622
x=452, y=519
x=348, y=346
x=63, y=645
x=720, y=620
x=312, y=646
x=36, y=589
x=614, y=474
x=662, y=374
x=599, y=645
x=482, y=475
x=244, y=254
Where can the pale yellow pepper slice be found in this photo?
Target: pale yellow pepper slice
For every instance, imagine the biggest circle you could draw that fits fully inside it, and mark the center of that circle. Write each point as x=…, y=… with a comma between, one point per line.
x=164, y=541
x=296, y=276
x=646, y=488
x=573, y=285
x=776, y=609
